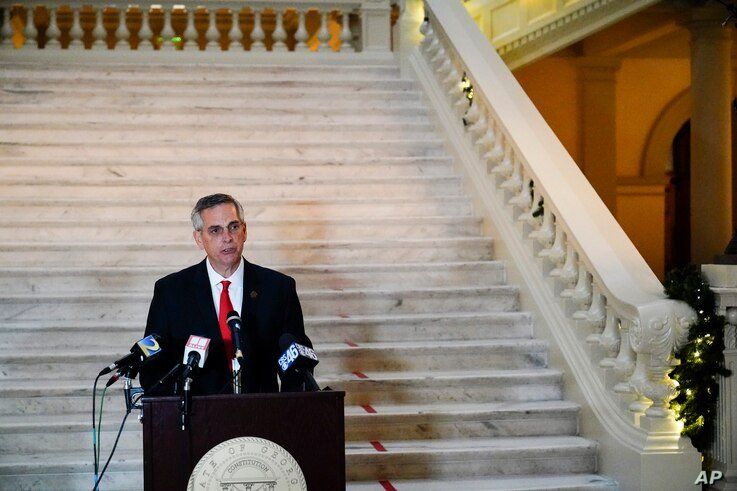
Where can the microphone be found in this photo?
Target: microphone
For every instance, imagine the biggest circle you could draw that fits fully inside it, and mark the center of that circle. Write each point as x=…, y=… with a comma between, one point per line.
x=299, y=360
x=195, y=354
x=140, y=353
x=235, y=324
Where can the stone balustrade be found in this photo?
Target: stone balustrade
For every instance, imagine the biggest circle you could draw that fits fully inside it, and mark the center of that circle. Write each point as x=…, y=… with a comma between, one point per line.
x=256, y=26
x=605, y=307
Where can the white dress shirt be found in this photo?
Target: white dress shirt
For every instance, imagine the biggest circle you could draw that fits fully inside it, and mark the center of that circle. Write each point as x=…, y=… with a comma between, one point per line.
x=235, y=290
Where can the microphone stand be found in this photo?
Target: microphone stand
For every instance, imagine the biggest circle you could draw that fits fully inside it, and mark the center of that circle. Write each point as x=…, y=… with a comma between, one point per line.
x=185, y=403
x=236, y=375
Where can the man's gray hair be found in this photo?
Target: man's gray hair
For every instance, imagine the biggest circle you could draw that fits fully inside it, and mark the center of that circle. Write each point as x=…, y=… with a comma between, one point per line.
x=210, y=202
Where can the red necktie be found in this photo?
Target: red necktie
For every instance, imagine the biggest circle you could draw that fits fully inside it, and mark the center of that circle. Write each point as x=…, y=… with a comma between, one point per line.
x=225, y=308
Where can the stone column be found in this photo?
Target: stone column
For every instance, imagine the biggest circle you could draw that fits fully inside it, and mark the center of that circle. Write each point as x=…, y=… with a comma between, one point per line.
x=723, y=280
x=598, y=78
x=711, y=134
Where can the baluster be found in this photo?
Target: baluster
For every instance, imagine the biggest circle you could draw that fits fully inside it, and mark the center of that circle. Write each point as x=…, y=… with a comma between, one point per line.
x=121, y=33
x=486, y=141
x=429, y=36
x=514, y=182
x=76, y=33
x=190, y=34
x=499, y=158
x=609, y=339
x=30, y=31
x=212, y=34
x=52, y=31
x=99, y=34
x=438, y=58
x=257, y=35
x=556, y=252
x=637, y=382
x=432, y=48
x=445, y=67
x=478, y=128
x=424, y=28
x=451, y=79
x=323, y=34
x=280, y=34
x=581, y=293
x=625, y=361
x=472, y=114
x=346, y=36
x=167, y=32
x=301, y=35
x=596, y=313
x=458, y=99
x=568, y=272
x=7, y=30
x=145, y=34
x=235, y=34
x=544, y=235
x=523, y=199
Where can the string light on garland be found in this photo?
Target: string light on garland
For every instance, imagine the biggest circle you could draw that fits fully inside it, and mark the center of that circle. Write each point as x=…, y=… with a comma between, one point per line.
x=701, y=359
x=467, y=88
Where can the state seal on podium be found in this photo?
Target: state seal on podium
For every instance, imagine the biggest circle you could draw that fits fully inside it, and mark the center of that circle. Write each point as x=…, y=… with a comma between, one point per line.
x=247, y=464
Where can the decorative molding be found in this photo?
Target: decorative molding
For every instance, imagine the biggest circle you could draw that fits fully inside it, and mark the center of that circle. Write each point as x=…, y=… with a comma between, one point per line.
x=544, y=35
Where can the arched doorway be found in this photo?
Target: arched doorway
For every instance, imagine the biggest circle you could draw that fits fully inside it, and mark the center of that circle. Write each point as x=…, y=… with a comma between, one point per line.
x=678, y=202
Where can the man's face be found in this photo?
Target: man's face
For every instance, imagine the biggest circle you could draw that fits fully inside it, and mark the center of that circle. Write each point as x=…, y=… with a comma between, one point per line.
x=222, y=237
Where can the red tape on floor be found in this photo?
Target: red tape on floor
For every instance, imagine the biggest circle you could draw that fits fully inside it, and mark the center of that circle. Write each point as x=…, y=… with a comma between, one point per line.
x=378, y=446
x=360, y=374
x=387, y=486
x=351, y=343
x=369, y=409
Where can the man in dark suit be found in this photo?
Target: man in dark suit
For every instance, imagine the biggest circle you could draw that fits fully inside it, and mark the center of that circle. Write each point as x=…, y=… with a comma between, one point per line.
x=197, y=300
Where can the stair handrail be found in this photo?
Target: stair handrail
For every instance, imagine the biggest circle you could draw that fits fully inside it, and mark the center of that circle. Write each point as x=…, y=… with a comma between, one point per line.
x=570, y=236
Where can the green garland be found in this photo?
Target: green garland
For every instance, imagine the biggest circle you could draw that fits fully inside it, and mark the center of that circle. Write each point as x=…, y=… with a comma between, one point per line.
x=702, y=358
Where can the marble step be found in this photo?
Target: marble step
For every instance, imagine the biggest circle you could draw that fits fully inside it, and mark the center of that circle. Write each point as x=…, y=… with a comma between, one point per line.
x=152, y=134
x=25, y=279
x=540, y=482
x=283, y=87
x=102, y=101
x=120, y=188
x=464, y=457
x=355, y=329
x=68, y=395
x=29, y=113
x=269, y=229
x=36, y=434
x=134, y=306
x=207, y=73
x=83, y=90
x=334, y=357
x=237, y=168
x=268, y=253
x=346, y=149
x=156, y=209
x=396, y=459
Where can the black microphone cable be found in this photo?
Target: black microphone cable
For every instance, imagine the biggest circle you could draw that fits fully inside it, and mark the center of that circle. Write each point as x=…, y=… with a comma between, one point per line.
x=112, y=452
x=94, y=433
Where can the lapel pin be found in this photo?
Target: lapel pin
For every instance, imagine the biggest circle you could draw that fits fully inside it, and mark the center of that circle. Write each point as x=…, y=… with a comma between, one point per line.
x=254, y=294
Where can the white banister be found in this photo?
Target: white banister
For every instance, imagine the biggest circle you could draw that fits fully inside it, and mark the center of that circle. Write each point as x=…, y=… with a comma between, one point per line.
x=374, y=35
x=606, y=309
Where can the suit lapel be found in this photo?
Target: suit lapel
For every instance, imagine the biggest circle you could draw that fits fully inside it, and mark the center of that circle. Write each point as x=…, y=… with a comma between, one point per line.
x=250, y=295
x=203, y=296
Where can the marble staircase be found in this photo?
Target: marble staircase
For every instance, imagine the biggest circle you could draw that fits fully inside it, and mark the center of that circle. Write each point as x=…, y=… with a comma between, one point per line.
x=347, y=187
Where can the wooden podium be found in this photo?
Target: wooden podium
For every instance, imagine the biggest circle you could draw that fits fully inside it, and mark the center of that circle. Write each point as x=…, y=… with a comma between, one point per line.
x=310, y=426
